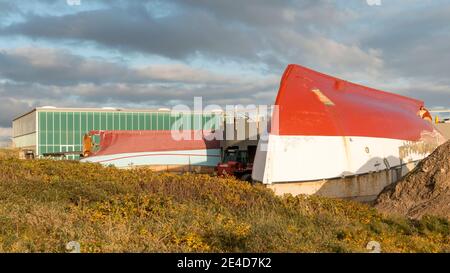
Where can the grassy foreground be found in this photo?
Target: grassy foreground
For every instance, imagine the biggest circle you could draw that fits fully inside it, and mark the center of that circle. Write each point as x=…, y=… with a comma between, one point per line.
x=45, y=204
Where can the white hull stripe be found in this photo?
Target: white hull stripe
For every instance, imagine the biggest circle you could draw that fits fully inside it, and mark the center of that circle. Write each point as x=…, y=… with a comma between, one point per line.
x=309, y=158
x=189, y=157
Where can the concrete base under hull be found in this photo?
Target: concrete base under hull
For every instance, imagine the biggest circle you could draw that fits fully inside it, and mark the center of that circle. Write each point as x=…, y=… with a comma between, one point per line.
x=363, y=188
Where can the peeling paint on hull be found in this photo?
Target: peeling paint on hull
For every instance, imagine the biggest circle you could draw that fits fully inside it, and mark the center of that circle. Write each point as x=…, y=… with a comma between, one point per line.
x=428, y=142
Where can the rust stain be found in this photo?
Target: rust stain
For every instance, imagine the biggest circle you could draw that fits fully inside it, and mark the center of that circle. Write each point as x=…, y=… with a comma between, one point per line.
x=347, y=151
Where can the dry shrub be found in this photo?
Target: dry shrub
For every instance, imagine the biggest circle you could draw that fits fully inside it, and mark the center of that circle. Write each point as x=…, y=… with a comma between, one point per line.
x=44, y=204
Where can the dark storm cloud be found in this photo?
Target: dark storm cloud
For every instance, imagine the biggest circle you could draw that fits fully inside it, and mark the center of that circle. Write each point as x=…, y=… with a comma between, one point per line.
x=409, y=42
x=47, y=66
x=270, y=14
x=62, y=68
x=18, y=98
x=193, y=30
x=31, y=77
x=137, y=30
x=7, y=7
x=136, y=92
x=247, y=31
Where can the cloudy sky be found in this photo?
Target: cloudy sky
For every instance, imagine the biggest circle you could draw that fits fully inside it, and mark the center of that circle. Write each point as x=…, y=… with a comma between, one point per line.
x=147, y=54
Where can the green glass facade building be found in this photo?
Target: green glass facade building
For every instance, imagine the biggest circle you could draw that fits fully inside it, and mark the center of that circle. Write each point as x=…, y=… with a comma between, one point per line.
x=50, y=130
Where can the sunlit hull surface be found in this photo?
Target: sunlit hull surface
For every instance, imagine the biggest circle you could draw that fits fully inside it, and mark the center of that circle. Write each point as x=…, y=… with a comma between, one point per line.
x=158, y=149
x=326, y=128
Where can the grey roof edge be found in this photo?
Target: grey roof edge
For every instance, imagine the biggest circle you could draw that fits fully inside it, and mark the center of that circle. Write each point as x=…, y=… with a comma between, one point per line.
x=112, y=109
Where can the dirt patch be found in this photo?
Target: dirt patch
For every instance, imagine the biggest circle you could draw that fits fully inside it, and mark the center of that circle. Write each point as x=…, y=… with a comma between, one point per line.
x=424, y=191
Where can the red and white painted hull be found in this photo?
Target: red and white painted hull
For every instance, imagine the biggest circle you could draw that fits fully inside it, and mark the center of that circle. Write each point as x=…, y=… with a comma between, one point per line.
x=157, y=149
x=325, y=128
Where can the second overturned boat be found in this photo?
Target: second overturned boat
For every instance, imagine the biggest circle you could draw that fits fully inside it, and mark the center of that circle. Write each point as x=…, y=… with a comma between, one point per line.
x=158, y=150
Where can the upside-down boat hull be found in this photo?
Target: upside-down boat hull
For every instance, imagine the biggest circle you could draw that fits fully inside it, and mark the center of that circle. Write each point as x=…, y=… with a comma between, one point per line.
x=325, y=128
x=158, y=150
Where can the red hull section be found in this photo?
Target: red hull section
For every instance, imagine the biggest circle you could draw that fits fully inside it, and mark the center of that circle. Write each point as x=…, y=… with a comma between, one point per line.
x=119, y=142
x=314, y=104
